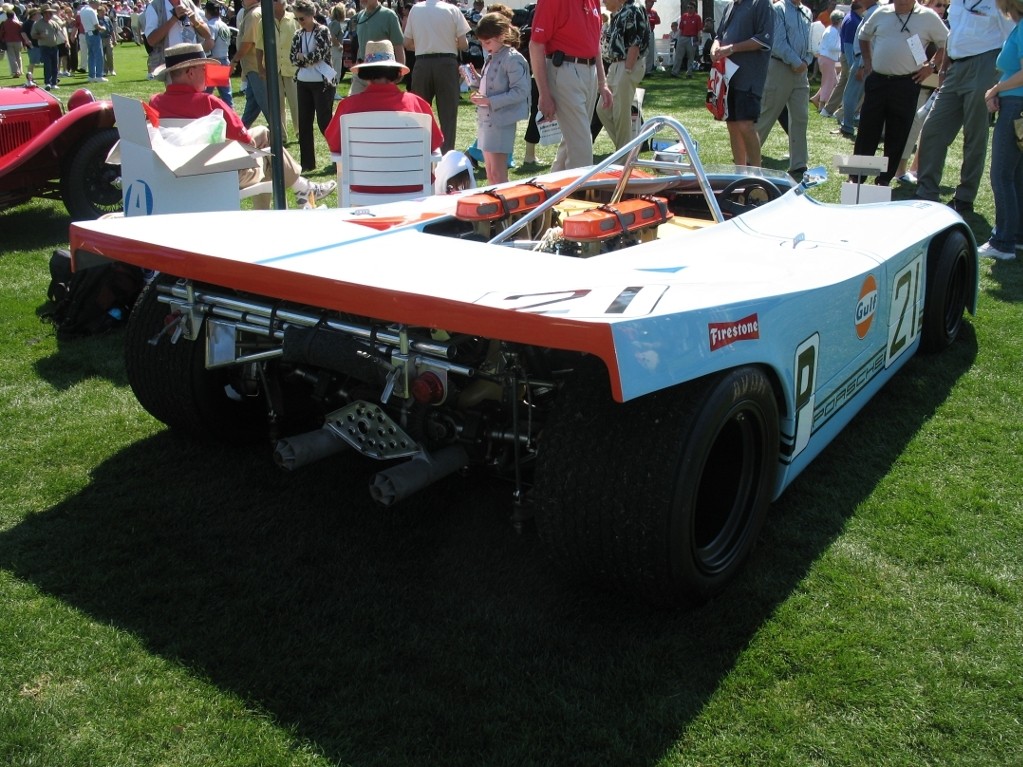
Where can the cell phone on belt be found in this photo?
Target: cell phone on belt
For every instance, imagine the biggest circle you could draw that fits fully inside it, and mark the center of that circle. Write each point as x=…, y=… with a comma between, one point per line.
x=558, y=58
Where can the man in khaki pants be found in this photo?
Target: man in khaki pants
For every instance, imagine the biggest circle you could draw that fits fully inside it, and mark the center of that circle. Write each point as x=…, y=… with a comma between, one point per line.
x=626, y=38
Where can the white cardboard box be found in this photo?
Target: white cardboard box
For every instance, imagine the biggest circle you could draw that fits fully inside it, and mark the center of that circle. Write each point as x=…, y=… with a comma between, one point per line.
x=173, y=179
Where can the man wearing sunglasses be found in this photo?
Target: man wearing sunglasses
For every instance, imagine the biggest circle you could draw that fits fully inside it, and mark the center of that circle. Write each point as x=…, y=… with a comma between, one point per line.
x=966, y=71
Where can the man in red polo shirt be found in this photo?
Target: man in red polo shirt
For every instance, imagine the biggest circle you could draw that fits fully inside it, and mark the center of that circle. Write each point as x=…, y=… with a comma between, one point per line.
x=686, y=51
x=184, y=70
x=564, y=51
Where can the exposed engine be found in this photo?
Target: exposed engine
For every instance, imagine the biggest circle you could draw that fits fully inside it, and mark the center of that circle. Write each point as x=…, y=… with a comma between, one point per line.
x=439, y=402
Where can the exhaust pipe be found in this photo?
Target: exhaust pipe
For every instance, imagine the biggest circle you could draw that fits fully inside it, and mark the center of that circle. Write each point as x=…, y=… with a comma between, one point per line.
x=302, y=449
x=399, y=482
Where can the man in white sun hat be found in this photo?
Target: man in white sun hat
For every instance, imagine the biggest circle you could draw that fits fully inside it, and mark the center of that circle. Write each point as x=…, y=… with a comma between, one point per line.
x=184, y=70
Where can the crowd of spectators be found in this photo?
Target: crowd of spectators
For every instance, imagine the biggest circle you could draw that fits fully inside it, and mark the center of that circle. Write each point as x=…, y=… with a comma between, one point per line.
x=907, y=76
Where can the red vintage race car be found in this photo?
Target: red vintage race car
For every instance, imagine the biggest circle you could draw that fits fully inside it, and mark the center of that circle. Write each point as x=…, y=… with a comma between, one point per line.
x=46, y=151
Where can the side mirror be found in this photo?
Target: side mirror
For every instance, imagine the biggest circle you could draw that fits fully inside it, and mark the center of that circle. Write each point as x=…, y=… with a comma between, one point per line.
x=814, y=177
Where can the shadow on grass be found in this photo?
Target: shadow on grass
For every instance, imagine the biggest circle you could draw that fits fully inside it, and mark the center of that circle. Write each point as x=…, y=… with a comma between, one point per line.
x=35, y=223
x=79, y=359
x=432, y=634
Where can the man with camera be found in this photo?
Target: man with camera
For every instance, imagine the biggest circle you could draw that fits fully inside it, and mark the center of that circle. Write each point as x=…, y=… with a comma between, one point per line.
x=172, y=22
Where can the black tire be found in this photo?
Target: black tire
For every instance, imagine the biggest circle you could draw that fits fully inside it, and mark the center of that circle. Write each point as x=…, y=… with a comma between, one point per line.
x=744, y=194
x=171, y=382
x=87, y=183
x=664, y=496
x=950, y=277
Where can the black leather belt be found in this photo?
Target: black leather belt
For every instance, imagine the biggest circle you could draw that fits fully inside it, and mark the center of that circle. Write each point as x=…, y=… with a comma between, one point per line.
x=436, y=56
x=575, y=60
x=967, y=58
x=893, y=77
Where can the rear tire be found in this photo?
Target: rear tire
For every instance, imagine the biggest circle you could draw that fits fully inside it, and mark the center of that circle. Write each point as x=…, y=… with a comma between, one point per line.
x=949, y=277
x=664, y=496
x=171, y=382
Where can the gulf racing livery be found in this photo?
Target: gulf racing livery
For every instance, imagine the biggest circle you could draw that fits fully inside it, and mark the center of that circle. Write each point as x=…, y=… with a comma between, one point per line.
x=649, y=350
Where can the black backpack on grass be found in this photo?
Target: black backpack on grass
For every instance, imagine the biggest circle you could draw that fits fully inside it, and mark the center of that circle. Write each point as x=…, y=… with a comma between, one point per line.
x=93, y=300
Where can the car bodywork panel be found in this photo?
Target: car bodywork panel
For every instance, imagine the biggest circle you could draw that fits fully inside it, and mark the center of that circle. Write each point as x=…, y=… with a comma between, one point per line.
x=780, y=287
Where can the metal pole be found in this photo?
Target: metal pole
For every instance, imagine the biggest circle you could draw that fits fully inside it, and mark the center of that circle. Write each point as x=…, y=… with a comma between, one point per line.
x=273, y=97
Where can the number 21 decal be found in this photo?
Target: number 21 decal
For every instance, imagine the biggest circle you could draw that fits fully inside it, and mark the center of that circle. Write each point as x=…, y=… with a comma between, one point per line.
x=904, y=316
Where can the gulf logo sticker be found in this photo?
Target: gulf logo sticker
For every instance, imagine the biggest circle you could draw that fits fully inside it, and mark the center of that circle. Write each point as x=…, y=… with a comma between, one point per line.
x=866, y=306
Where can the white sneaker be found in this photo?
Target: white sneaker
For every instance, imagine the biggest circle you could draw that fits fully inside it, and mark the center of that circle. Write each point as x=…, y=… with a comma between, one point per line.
x=311, y=195
x=987, y=250
x=824, y=113
x=322, y=189
x=909, y=177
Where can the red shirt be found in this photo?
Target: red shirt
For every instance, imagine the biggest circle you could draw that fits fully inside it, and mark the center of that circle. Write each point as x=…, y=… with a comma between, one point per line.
x=570, y=27
x=11, y=30
x=690, y=25
x=379, y=97
x=186, y=103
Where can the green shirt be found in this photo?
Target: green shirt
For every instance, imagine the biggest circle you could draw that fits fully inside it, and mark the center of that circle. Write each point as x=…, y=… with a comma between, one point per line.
x=376, y=25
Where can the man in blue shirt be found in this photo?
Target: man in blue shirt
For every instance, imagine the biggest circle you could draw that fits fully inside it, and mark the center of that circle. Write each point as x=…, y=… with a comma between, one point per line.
x=745, y=36
x=787, y=83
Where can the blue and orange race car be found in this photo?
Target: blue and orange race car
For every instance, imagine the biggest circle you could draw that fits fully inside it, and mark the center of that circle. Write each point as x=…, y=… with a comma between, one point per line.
x=650, y=350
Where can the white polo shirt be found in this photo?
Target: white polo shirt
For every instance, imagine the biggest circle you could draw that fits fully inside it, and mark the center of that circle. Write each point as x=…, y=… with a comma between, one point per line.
x=435, y=27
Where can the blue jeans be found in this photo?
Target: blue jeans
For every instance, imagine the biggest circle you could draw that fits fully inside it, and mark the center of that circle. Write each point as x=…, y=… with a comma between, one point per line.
x=255, y=98
x=852, y=96
x=95, y=44
x=1007, y=176
x=51, y=58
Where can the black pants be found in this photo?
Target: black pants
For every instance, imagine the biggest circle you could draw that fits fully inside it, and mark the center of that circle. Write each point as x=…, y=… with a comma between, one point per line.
x=889, y=106
x=314, y=99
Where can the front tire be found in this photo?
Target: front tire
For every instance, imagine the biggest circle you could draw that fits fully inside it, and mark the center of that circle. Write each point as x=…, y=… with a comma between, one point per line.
x=87, y=184
x=664, y=496
x=950, y=274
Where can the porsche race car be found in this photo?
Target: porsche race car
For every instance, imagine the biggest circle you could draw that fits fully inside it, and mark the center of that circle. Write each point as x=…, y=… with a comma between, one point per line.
x=649, y=350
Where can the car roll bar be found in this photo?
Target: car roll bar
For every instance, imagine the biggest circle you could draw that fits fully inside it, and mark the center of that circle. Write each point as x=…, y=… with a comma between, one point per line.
x=684, y=163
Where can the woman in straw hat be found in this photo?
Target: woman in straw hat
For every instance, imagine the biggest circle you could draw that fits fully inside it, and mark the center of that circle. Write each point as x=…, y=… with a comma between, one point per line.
x=381, y=72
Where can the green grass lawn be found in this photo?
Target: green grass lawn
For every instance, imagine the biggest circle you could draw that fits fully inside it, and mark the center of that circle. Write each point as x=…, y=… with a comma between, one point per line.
x=167, y=602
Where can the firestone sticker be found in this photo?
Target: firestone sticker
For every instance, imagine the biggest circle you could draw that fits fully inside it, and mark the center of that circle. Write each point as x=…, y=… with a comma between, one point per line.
x=724, y=333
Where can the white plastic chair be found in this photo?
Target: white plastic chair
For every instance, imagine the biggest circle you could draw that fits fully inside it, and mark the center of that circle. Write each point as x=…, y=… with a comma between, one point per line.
x=384, y=149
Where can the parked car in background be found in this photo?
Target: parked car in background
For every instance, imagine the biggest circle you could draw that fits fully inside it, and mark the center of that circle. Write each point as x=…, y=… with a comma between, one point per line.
x=47, y=151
